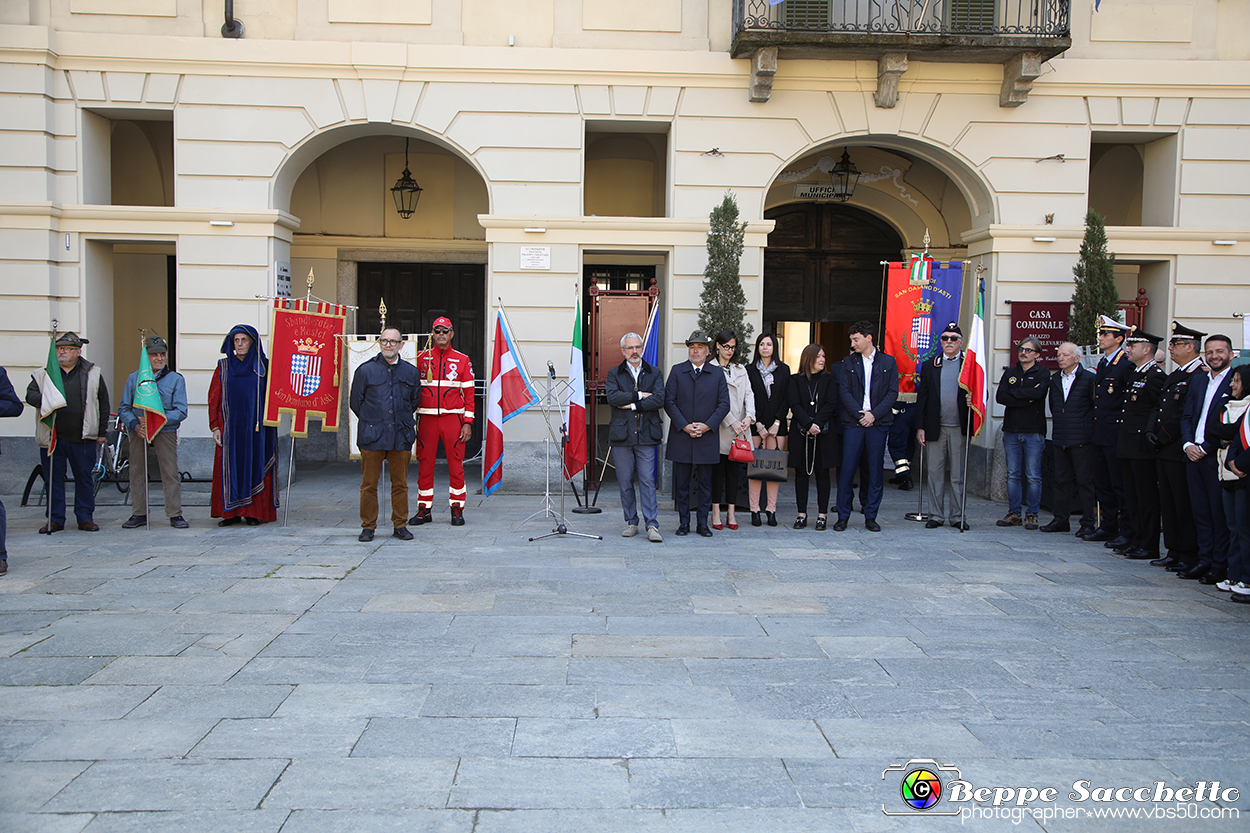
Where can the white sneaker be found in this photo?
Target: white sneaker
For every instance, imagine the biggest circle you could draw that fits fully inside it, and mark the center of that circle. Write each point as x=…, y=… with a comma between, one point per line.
x=1241, y=588
x=1224, y=585
x=630, y=531
x=654, y=536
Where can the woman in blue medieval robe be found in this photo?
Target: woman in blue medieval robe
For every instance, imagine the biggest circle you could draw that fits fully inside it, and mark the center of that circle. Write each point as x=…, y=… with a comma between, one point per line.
x=245, y=459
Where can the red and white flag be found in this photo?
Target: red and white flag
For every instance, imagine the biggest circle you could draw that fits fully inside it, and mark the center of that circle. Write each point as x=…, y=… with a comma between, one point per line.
x=972, y=376
x=575, y=412
x=511, y=393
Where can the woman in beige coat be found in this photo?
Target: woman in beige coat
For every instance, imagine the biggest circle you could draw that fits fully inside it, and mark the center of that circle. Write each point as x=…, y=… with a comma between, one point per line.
x=727, y=474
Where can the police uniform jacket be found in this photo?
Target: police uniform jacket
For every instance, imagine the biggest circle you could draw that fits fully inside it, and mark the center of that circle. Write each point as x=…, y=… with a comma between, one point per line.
x=640, y=425
x=1165, y=424
x=1071, y=419
x=1111, y=381
x=1145, y=389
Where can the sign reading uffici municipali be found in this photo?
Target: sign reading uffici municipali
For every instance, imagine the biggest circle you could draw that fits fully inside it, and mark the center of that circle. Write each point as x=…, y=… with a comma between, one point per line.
x=808, y=191
x=1047, y=321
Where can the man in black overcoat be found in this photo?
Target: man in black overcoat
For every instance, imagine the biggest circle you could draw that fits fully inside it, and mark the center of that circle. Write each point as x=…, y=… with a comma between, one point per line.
x=1110, y=384
x=696, y=400
x=1071, y=396
x=1137, y=455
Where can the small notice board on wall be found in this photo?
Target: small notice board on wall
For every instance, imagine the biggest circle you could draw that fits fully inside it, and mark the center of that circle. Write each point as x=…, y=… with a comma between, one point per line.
x=1047, y=321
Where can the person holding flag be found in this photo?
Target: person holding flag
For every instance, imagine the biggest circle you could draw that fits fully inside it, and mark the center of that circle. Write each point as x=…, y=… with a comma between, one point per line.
x=154, y=404
x=511, y=393
x=72, y=402
x=973, y=375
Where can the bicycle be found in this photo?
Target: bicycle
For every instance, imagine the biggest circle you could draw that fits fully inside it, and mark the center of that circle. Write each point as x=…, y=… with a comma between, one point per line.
x=113, y=458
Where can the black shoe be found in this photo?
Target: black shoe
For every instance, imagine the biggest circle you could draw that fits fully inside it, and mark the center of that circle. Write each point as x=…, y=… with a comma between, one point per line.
x=1119, y=542
x=4, y=568
x=1099, y=535
x=1195, y=572
x=820, y=524
x=683, y=529
x=1236, y=597
x=1182, y=566
x=839, y=525
x=871, y=525
x=365, y=536
x=906, y=485
x=772, y=518
x=1166, y=561
x=704, y=531
x=962, y=526
x=932, y=523
x=800, y=522
x=229, y=521
x=179, y=522
x=1084, y=532
x=1213, y=578
x=402, y=533
x=895, y=480
x=135, y=521
x=1123, y=548
x=755, y=519
x=253, y=521
x=457, y=516
x=422, y=517
x=1139, y=554
x=1056, y=525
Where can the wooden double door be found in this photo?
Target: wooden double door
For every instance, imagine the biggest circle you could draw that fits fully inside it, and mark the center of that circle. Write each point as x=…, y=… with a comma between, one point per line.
x=416, y=294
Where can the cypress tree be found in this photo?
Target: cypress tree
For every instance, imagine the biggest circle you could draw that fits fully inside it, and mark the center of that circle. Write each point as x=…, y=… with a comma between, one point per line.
x=1094, y=293
x=722, y=304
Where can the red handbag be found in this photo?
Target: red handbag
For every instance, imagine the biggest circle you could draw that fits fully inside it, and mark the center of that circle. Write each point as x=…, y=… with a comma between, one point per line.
x=741, y=451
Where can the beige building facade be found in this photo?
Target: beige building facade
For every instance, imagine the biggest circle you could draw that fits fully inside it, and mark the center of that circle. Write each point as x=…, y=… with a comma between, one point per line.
x=154, y=173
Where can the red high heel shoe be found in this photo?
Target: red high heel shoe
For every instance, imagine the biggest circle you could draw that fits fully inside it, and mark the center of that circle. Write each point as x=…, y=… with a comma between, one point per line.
x=731, y=526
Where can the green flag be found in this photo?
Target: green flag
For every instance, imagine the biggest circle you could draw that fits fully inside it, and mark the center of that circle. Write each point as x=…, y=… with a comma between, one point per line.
x=148, y=398
x=51, y=393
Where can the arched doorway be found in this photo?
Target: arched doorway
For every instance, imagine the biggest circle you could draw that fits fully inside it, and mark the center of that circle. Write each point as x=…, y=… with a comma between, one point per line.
x=822, y=273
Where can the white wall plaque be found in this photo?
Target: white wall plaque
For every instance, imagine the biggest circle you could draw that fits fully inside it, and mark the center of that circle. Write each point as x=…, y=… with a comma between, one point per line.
x=535, y=257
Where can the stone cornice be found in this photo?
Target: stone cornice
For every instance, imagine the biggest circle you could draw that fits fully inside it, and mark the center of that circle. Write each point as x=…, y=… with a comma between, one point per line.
x=1126, y=241
x=153, y=221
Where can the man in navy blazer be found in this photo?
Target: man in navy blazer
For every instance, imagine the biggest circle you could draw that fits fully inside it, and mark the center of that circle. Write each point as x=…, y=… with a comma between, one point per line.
x=696, y=399
x=1204, y=404
x=867, y=391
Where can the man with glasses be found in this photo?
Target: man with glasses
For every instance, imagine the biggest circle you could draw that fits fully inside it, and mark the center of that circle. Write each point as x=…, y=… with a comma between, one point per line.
x=172, y=388
x=1022, y=393
x=1204, y=405
x=445, y=413
x=1111, y=380
x=1180, y=537
x=635, y=392
x=80, y=426
x=383, y=398
x=942, y=409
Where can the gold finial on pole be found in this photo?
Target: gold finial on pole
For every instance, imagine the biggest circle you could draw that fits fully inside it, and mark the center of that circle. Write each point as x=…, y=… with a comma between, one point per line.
x=309, y=280
x=382, y=311
x=926, y=240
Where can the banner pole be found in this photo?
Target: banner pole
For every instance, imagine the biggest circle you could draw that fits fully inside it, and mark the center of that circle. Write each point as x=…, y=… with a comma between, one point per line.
x=286, y=510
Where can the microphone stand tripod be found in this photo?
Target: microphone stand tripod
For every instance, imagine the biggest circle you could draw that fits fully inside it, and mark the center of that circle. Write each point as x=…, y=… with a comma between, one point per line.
x=562, y=527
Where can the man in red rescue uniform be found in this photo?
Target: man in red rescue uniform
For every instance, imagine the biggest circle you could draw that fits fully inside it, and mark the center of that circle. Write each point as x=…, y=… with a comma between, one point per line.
x=444, y=411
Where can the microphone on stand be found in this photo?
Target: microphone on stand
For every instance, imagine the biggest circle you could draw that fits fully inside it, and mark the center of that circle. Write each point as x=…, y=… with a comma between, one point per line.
x=551, y=370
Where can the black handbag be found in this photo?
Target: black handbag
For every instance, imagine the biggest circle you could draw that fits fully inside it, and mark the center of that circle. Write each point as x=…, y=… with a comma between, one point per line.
x=769, y=465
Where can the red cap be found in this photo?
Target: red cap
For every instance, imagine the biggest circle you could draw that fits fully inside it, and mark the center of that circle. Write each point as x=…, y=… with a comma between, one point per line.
x=442, y=322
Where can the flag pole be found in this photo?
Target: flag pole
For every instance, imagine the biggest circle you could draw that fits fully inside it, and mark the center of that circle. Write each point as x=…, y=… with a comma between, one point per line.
x=47, y=465
x=143, y=452
x=542, y=402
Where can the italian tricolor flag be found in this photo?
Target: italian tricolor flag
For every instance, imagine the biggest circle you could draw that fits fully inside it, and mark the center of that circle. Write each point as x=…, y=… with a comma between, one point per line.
x=575, y=412
x=972, y=376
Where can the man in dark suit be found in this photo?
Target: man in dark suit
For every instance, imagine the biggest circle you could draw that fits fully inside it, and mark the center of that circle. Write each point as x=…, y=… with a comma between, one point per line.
x=1071, y=395
x=1204, y=403
x=1110, y=384
x=942, y=430
x=696, y=400
x=867, y=391
x=1136, y=454
x=1179, y=534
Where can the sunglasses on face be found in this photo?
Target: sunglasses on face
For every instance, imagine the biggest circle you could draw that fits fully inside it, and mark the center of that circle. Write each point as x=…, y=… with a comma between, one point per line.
x=950, y=338
x=1026, y=349
x=1108, y=332
x=438, y=331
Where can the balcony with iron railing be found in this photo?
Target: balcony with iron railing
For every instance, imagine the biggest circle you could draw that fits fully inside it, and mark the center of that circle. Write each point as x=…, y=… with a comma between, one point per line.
x=891, y=31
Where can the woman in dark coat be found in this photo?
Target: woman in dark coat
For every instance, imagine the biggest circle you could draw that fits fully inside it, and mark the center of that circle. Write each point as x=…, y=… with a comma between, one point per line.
x=770, y=381
x=814, y=445
x=1231, y=433
x=246, y=457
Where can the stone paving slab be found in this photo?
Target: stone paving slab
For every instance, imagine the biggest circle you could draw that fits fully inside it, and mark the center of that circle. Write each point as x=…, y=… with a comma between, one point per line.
x=293, y=679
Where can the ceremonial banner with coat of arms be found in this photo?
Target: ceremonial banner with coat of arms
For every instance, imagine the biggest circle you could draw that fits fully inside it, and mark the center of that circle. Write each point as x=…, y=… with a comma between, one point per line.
x=305, y=357
x=922, y=297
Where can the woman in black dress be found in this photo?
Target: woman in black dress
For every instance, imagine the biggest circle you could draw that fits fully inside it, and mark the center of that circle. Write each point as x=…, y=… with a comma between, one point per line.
x=770, y=381
x=813, y=439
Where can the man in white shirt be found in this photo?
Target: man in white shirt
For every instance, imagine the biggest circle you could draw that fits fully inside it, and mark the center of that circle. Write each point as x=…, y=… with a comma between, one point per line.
x=867, y=391
x=1203, y=406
